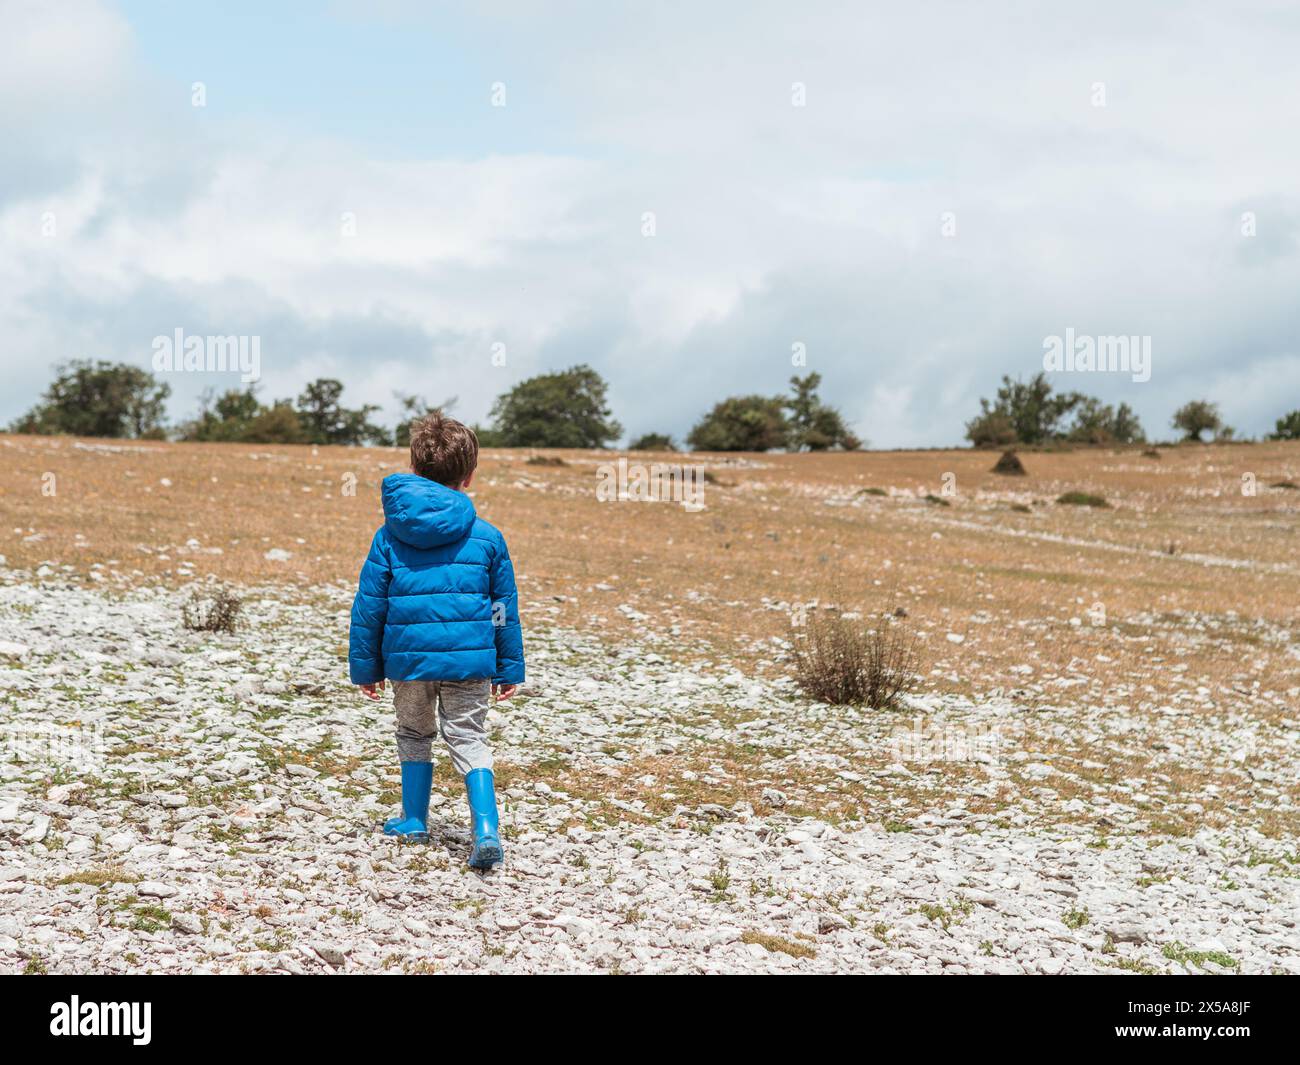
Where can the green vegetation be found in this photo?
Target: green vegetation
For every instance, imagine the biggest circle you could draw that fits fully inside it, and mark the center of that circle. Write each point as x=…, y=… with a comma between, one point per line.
x=564, y=409
x=1200, y=416
x=1288, y=427
x=760, y=423
x=1029, y=413
x=773, y=943
x=1082, y=499
x=1176, y=951
x=653, y=442
x=99, y=399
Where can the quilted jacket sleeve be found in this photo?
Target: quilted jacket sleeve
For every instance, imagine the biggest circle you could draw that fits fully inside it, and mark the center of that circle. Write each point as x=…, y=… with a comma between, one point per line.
x=505, y=620
x=369, y=610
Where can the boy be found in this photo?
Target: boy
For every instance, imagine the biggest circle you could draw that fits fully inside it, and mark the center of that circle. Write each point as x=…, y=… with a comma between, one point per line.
x=437, y=614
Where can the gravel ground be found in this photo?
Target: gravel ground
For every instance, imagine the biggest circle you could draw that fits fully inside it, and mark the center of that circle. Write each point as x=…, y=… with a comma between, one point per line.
x=179, y=801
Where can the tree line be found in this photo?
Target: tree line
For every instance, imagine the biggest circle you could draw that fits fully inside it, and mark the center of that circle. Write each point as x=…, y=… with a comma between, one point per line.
x=569, y=409
x=1029, y=413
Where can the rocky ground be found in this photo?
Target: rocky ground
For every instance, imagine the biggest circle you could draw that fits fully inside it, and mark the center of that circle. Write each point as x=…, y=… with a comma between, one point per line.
x=174, y=801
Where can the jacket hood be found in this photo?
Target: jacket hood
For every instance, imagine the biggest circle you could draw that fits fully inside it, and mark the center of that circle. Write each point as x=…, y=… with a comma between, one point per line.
x=423, y=513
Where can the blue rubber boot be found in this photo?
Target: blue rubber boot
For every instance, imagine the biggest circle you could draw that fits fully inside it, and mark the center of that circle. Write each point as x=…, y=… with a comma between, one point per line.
x=486, y=850
x=413, y=825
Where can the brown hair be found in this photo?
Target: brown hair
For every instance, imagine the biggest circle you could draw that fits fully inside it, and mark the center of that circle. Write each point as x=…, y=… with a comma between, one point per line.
x=443, y=450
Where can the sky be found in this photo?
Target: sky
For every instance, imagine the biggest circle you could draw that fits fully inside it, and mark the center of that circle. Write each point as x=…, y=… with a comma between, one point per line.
x=444, y=199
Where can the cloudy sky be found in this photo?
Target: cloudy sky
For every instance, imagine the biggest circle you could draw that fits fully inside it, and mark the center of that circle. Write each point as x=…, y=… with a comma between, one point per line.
x=1094, y=164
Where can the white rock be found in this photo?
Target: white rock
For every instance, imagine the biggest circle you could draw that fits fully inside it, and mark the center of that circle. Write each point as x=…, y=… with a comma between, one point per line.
x=40, y=827
x=187, y=923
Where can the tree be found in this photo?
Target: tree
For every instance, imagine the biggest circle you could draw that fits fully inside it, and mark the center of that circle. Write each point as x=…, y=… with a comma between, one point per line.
x=742, y=423
x=1126, y=428
x=1288, y=427
x=1031, y=410
x=564, y=409
x=223, y=418
x=99, y=399
x=814, y=425
x=653, y=442
x=239, y=417
x=326, y=421
x=1197, y=417
x=1099, y=423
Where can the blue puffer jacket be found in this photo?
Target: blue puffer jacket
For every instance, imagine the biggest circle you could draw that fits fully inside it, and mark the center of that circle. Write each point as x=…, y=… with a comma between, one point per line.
x=436, y=599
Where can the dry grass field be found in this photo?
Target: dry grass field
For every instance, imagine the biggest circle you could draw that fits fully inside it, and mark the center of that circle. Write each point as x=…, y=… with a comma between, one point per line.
x=984, y=559
x=1134, y=669
x=1181, y=591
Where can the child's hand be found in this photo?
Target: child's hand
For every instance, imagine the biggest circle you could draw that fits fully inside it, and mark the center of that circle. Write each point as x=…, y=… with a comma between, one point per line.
x=371, y=691
x=502, y=692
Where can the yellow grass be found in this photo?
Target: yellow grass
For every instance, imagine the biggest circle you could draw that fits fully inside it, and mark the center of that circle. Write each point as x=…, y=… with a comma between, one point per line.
x=788, y=530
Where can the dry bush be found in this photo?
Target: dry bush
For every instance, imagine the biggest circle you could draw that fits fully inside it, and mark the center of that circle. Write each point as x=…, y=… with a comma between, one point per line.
x=1010, y=465
x=838, y=661
x=214, y=611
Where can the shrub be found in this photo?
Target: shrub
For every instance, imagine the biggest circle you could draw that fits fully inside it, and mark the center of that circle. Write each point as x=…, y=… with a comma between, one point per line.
x=214, y=611
x=742, y=423
x=993, y=428
x=1098, y=423
x=838, y=662
x=1082, y=499
x=653, y=442
x=545, y=460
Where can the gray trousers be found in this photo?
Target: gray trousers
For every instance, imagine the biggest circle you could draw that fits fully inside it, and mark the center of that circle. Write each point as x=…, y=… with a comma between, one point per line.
x=462, y=707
